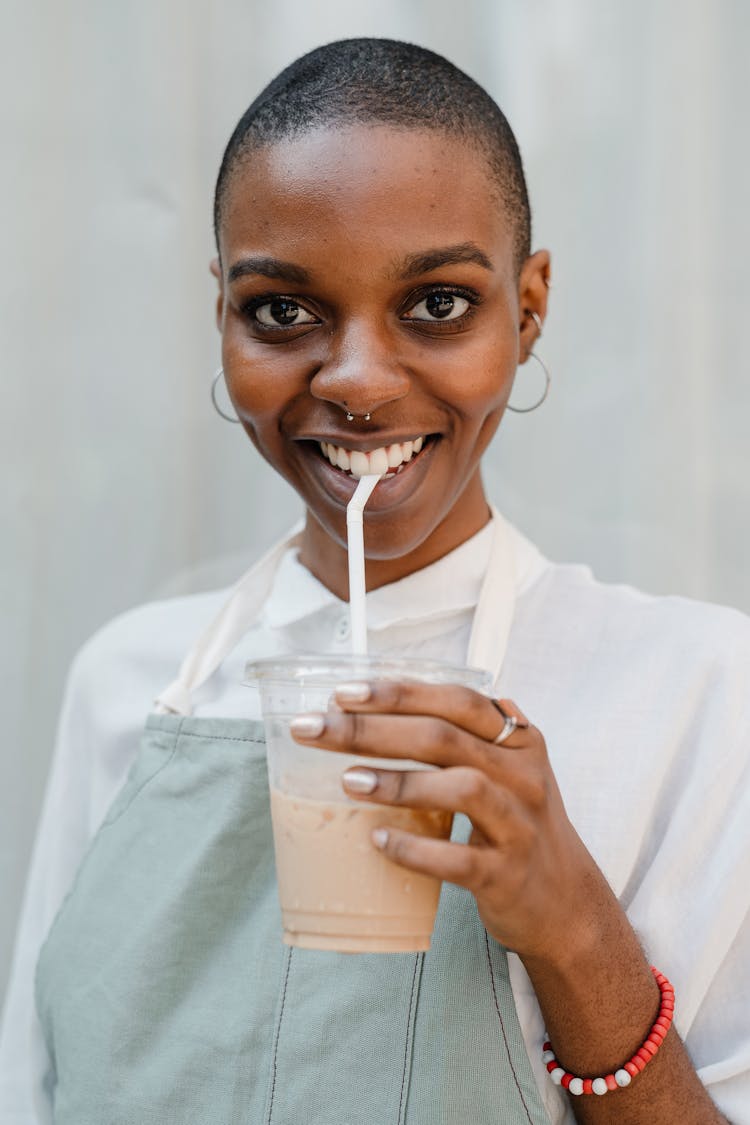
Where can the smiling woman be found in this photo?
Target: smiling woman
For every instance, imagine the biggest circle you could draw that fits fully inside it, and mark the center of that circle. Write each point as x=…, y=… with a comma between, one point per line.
x=376, y=295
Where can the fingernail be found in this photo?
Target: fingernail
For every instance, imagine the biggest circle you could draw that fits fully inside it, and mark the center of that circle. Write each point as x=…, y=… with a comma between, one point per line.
x=353, y=693
x=360, y=780
x=308, y=726
x=380, y=837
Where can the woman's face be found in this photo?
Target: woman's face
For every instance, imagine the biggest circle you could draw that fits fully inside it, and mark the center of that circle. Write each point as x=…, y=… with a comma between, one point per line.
x=369, y=270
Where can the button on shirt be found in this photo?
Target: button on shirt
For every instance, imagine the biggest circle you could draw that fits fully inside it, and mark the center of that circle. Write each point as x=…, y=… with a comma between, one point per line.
x=644, y=706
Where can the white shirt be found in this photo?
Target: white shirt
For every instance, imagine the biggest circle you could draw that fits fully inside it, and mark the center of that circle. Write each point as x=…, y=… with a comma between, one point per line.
x=644, y=705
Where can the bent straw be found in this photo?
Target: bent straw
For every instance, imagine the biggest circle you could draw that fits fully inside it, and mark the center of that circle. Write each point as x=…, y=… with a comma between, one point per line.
x=356, y=548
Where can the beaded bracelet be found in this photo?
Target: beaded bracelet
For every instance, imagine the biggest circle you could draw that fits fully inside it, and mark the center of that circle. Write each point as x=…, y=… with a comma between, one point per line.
x=633, y=1066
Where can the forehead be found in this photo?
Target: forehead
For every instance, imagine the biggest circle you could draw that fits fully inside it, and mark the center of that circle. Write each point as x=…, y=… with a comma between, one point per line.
x=369, y=191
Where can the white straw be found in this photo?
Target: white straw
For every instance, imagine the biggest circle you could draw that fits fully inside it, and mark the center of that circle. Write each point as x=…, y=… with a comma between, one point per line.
x=356, y=546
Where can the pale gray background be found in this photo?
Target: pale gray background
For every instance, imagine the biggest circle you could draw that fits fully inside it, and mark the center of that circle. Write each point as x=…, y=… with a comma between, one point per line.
x=121, y=484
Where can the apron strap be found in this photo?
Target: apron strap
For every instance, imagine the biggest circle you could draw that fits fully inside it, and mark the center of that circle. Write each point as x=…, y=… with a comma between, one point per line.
x=226, y=630
x=489, y=634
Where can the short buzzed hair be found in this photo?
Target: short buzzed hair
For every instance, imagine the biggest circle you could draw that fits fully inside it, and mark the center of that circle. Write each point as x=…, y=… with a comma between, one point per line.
x=383, y=82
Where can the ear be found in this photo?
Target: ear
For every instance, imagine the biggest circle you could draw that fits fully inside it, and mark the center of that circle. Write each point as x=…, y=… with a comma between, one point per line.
x=215, y=268
x=533, y=289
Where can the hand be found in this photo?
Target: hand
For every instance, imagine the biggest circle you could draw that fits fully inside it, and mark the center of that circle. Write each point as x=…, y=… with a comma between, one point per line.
x=524, y=863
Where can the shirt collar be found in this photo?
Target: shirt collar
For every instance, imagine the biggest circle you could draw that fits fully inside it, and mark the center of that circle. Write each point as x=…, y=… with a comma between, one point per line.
x=448, y=586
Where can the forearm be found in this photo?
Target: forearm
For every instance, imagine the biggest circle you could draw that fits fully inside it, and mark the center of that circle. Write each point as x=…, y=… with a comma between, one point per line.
x=599, y=1000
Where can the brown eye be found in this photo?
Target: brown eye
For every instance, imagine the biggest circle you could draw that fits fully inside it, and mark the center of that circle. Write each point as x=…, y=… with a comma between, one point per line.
x=282, y=311
x=439, y=306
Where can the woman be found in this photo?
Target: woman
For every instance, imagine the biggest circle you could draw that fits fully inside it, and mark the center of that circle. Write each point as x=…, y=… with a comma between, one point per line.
x=376, y=294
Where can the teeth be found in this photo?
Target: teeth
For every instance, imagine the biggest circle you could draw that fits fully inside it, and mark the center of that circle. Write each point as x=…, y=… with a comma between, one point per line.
x=382, y=460
x=339, y=457
x=379, y=461
x=360, y=463
x=394, y=456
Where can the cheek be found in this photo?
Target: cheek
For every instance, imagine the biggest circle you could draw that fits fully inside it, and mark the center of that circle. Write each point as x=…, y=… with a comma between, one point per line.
x=478, y=381
x=261, y=381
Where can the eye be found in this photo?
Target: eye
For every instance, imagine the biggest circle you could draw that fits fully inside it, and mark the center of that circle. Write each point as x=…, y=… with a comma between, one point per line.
x=439, y=305
x=280, y=312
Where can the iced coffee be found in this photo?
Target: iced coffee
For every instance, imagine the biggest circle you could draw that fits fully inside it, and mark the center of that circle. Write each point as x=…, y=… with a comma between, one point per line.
x=337, y=891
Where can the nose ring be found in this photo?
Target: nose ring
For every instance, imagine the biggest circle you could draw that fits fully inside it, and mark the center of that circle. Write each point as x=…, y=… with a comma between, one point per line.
x=350, y=417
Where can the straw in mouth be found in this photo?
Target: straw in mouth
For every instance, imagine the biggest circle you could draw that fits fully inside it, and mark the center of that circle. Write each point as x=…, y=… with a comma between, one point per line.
x=356, y=550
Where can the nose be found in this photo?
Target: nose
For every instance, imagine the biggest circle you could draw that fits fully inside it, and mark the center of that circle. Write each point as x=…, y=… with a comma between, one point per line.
x=361, y=371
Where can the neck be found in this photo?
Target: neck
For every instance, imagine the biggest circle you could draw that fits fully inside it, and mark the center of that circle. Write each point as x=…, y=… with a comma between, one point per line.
x=326, y=557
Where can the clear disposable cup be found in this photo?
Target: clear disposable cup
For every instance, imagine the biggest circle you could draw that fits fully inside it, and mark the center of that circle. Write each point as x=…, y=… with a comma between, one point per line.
x=336, y=890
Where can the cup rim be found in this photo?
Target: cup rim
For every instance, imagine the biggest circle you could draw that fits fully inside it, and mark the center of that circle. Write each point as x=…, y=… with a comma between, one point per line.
x=332, y=666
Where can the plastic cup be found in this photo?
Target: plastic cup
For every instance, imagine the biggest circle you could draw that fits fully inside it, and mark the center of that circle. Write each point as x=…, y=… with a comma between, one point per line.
x=337, y=891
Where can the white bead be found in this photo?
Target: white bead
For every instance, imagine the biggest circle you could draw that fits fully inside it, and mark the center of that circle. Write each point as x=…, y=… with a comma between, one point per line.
x=576, y=1086
x=599, y=1086
x=557, y=1075
x=622, y=1078
x=547, y=1056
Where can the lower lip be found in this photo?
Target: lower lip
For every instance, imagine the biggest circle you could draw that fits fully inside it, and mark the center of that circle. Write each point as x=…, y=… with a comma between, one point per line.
x=390, y=489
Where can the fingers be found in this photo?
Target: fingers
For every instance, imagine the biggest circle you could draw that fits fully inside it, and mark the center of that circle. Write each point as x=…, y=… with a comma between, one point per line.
x=421, y=738
x=459, y=789
x=457, y=863
x=461, y=706
x=466, y=709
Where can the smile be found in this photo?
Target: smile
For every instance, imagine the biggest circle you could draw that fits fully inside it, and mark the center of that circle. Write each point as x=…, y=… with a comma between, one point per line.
x=386, y=461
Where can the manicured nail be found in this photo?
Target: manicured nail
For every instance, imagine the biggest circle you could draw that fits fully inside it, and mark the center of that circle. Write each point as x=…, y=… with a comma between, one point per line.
x=353, y=693
x=380, y=837
x=360, y=780
x=308, y=726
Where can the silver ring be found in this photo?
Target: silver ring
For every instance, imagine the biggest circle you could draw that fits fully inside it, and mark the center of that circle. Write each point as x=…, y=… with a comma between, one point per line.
x=511, y=722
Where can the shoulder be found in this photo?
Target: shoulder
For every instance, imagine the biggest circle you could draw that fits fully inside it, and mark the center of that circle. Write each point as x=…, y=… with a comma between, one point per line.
x=578, y=611
x=139, y=651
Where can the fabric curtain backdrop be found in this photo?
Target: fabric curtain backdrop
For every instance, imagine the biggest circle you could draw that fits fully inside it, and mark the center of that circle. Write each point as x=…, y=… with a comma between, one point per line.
x=120, y=482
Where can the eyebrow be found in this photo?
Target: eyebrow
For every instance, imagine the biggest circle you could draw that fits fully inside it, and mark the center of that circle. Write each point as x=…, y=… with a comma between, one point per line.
x=268, y=267
x=414, y=264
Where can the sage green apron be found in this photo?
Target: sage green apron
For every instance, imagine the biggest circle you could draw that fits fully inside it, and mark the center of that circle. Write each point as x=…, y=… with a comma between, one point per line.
x=167, y=996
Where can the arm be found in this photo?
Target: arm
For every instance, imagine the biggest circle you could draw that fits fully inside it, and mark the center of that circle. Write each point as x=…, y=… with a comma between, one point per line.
x=538, y=890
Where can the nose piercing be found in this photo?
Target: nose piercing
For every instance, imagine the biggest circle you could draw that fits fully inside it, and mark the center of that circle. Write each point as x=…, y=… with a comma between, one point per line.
x=350, y=417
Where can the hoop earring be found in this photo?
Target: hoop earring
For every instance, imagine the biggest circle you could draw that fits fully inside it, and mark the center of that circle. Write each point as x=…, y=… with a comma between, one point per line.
x=547, y=382
x=227, y=417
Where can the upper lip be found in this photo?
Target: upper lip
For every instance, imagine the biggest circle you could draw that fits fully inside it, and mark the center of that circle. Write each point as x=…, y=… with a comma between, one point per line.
x=365, y=443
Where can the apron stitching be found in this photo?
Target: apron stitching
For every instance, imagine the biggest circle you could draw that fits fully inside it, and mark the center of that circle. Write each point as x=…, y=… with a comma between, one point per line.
x=417, y=959
x=220, y=738
x=502, y=1028
x=278, y=1036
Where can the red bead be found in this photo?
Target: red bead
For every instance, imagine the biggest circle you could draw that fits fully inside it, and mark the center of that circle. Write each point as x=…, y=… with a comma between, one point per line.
x=552, y=1065
x=663, y=1023
x=631, y=1068
x=547, y=1046
x=657, y=1036
x=650, y=1048
x=566, y=1080
x=587, y=1085
x=611, y=1082
x=642, y=1056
